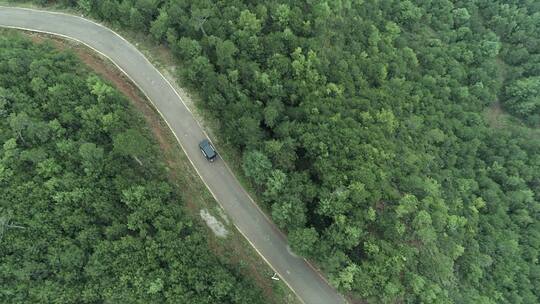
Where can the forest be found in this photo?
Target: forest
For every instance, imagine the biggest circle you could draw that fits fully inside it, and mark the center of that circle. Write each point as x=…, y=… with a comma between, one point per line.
x=396, y=142
x=87, y=214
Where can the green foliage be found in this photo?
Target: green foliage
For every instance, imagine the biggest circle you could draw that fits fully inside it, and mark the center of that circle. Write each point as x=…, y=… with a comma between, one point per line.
x=303, y=241
x=372, y=113
x=79, y=222
x=131, y=143
x=524, y=96
x=159, y=27
x=257, y=166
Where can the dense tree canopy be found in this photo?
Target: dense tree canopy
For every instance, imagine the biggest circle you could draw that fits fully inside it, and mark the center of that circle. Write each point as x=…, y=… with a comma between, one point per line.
x=86, y=212
x=362, y=126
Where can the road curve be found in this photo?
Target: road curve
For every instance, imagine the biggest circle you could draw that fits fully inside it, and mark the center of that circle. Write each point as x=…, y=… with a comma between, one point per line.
x=262, y=234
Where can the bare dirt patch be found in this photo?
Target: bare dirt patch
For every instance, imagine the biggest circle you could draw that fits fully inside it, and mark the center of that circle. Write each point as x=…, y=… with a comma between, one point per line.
x=213, y=223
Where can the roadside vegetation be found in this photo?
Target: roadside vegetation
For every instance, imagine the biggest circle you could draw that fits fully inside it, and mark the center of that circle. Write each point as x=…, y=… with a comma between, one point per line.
x=87, y=212
x=362, y=125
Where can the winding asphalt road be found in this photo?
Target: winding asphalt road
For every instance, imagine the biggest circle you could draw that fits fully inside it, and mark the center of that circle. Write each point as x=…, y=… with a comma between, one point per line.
x=263, y=235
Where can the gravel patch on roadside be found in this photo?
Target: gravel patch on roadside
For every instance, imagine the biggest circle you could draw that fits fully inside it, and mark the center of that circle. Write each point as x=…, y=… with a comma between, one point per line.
x=217, y=227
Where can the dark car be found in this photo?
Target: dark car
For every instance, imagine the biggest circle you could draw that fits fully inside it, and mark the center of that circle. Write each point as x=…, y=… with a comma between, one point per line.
x=208, y=150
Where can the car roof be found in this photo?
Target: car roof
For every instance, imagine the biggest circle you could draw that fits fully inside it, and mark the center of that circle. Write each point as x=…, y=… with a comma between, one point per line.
x=207, y=148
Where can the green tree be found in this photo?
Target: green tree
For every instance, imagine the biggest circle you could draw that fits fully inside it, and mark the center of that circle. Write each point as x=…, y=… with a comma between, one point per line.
x=257, y=166
x=303, y=241
x=132, y=143
x=159, y=27
x=524, y=96
x=92, y=157
x=136, y=20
